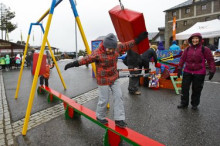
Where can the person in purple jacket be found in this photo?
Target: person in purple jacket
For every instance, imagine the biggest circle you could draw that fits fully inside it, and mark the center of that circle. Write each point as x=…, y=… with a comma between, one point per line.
x=194, y=58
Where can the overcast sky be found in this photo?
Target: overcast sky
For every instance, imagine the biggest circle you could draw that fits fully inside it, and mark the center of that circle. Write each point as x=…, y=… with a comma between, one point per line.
x=93, y=14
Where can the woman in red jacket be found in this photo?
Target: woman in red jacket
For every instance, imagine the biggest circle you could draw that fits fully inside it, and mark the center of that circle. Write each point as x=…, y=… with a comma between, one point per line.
x=194, y=58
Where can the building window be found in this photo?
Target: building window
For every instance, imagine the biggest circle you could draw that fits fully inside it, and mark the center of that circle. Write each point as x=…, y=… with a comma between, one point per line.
x=187, y=10
x=184, y=23
x=207, y=18
x=174, y=13
x=203, y=7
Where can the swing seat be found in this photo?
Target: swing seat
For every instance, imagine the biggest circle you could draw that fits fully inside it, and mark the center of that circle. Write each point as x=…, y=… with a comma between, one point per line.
x=128, y=25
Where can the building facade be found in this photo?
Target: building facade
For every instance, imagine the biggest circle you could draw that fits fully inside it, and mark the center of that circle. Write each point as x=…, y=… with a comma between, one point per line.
x=189, y=13
x=159, y=37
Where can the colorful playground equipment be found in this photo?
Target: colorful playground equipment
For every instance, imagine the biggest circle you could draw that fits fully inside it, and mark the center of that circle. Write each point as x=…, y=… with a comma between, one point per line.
x=113, y=135
x=170, y=79
x=49, y=12
x=176, y=82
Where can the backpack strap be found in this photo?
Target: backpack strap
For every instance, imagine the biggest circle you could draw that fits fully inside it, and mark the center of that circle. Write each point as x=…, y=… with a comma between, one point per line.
x=203, y=50
x=187, y=51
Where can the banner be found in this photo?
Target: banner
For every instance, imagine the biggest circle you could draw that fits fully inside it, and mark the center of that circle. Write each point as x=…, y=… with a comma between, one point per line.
x=174, y=28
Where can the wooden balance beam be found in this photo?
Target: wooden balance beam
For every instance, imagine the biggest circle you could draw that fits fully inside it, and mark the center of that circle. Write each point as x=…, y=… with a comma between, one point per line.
x=113, y=135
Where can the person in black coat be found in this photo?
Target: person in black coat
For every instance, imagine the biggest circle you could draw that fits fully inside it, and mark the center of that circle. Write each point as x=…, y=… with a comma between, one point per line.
x=133, y=60
x=146, y=57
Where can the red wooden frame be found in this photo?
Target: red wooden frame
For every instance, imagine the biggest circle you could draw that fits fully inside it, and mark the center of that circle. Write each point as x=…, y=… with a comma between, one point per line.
x=114, y=131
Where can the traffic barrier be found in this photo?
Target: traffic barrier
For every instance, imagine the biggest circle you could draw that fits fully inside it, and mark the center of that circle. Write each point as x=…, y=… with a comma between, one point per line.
x=113, y=135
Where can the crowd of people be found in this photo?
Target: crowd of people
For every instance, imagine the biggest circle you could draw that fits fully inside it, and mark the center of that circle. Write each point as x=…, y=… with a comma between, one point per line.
x=7, y=62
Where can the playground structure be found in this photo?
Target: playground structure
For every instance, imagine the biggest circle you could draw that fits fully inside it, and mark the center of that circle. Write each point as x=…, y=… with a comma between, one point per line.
x=171, y=59
x=49, y=12
x=114, y=134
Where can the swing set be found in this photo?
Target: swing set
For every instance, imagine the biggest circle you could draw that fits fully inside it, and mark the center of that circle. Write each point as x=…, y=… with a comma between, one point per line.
x=49, y=12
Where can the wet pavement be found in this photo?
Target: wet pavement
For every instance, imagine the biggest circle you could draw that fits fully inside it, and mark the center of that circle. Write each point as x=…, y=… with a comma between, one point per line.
x=153, y=113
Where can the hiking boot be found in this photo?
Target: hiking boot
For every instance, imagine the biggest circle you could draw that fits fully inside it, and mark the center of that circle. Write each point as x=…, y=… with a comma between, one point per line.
x=194, y=108
x=120, y=123
x=137, y=93
x=104, y=121
x=181, y=106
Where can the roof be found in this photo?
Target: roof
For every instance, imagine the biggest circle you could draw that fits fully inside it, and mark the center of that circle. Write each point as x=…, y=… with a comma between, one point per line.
x=159, y=38
x=161, y=28
x=151, y=35
x=102, y=37
x=15, y=45
x=184, y=4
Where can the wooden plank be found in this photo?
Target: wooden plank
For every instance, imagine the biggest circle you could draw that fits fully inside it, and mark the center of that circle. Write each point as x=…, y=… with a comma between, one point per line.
x=126, y=133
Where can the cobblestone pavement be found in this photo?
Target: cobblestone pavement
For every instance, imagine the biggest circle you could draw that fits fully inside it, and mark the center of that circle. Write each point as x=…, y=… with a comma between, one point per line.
x=9, y=130
x=6, y=131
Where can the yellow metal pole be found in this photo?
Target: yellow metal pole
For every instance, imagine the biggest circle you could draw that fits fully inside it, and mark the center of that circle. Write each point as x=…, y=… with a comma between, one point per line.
x=85, y=42
x=43, y=16
x=34, y=84
x=54, y=60
x=108, y=106
x=47, y=12
x=22, y=67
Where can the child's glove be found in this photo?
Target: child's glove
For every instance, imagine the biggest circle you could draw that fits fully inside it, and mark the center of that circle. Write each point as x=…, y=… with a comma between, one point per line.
x=71, y=64
x=141, y=37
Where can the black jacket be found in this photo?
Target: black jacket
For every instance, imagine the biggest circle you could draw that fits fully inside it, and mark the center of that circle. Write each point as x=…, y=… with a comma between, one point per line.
x=147, y=55
x=132, y=59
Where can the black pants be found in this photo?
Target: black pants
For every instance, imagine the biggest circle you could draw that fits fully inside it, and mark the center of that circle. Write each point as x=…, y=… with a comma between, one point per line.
x=133, y=81
x=42, y=79
x=197, y=86
x=146, y=80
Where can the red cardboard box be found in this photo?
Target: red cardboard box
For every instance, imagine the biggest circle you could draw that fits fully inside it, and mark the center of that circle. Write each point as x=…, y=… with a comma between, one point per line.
x=43, y=64
x=128, y=25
